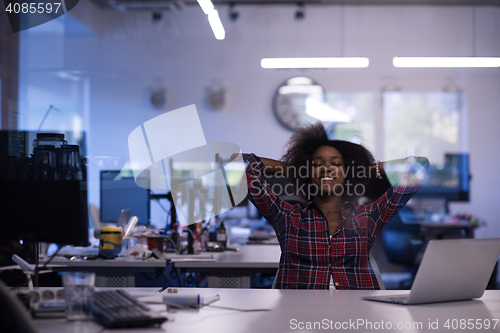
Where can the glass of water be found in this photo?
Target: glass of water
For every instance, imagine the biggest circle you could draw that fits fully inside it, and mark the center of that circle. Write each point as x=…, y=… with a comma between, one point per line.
x=78, y=291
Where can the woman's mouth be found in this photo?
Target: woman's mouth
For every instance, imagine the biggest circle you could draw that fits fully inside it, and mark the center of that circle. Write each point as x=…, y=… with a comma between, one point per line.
x=328, y=179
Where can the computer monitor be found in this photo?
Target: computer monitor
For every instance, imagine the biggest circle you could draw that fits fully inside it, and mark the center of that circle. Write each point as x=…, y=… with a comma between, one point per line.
x=449, y=181
x=53, y=211
x=45, y=211
x=119, y=191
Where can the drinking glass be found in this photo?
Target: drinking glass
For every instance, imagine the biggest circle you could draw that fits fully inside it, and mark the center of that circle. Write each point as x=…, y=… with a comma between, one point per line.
x=78, y=291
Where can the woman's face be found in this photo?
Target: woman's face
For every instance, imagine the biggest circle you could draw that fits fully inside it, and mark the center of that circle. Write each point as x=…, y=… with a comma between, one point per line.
x=327, y=171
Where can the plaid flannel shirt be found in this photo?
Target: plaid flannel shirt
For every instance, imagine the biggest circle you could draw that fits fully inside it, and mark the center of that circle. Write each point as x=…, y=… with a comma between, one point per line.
x=309, y=257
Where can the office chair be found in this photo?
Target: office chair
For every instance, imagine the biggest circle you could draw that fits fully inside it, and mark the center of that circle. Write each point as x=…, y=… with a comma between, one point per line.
x=403, y=245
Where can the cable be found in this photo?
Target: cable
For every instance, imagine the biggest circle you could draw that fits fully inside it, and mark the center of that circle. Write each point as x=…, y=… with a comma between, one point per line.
x=149, y=278
x=173, y=244
x=168, y=219
x=200, y=234
x=164, y=277
x=179, y=306
x=59, y=247
x=174, y=274
x=192, y=234
x=235, y=309
x=194, y=238
x=164, y=209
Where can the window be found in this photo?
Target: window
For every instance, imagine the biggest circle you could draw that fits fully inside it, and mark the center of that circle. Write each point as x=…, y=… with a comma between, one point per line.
x=360, y=109
x=428, y=124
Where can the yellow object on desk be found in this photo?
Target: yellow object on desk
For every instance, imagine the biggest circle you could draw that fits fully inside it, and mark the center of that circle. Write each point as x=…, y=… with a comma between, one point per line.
x=110, y=241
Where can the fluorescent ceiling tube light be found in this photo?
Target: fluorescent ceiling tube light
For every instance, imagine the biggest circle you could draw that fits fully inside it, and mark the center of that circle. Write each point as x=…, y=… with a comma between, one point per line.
x=216, y=25
x=213, y=18
x=324, y=62
x=446, y=61
x=206, y=5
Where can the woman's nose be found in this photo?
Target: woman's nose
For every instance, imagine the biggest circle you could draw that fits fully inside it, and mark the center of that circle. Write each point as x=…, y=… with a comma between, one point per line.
x=327, y=168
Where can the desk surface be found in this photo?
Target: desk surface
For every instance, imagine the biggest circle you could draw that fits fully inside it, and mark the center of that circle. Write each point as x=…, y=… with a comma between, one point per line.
x=109, y=263
x=451, y=225
x=248, y=256
x=289, y=308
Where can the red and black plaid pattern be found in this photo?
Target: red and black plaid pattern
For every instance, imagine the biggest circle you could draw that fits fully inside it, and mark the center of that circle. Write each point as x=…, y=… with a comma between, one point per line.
x=308, y=256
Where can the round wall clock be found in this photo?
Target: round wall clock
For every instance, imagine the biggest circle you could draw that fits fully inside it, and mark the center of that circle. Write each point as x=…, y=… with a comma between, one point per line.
x=294, y=100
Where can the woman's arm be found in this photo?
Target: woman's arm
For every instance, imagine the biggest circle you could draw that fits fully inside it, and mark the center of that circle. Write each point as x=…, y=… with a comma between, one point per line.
x=408, y=172
x=270, y=166
x=406, y=177
x=273, y=166
x=260, y=194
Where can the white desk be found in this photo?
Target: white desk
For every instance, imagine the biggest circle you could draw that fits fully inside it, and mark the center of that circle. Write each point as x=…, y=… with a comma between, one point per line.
x=118, y=272
x=341, y=306
x=228, y=269
x=231, y=268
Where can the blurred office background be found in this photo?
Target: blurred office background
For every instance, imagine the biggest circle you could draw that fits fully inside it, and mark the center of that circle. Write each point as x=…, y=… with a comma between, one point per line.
x=109, y=66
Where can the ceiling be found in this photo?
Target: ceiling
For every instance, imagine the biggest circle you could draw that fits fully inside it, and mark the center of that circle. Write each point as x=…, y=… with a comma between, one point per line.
x=177, y=4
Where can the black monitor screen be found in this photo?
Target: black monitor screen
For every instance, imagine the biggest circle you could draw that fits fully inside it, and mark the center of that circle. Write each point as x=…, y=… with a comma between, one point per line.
x=119, y=191
x=36, y=209
x=449, y=181
x=53, y=212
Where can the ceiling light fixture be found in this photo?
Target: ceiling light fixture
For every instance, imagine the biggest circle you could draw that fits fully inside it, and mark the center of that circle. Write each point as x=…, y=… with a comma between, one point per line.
x=444, y=62
x=300, y=14
x=213, y=18
x=323, y=62
x=233, y=14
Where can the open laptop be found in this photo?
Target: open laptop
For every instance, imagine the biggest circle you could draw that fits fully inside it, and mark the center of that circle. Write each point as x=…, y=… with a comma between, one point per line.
x=124, y=217
x=451, y=270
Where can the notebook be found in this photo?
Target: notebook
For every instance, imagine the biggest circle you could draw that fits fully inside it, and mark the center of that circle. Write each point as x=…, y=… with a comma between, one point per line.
x=451, y=270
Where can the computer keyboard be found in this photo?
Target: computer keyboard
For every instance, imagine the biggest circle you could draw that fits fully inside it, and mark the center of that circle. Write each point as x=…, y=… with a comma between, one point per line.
x=117, y=308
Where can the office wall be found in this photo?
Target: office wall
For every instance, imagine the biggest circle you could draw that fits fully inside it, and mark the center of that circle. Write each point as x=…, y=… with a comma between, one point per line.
x=112, y=69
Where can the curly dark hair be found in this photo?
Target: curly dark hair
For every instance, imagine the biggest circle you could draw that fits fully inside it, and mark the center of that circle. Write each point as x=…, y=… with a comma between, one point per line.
x=304, y=142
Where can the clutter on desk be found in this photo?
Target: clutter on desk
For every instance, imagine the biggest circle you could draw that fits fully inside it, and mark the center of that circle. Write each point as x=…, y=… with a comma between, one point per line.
x=42, y=302
x=54, y=159
x=215, y=235
x=54, y=308
x=465, y=217
x=179, y=300
x=139, y=251
x=78, y=251
x=182, y=299
x=221, y=235
x=251, y=231
x=409, y=217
